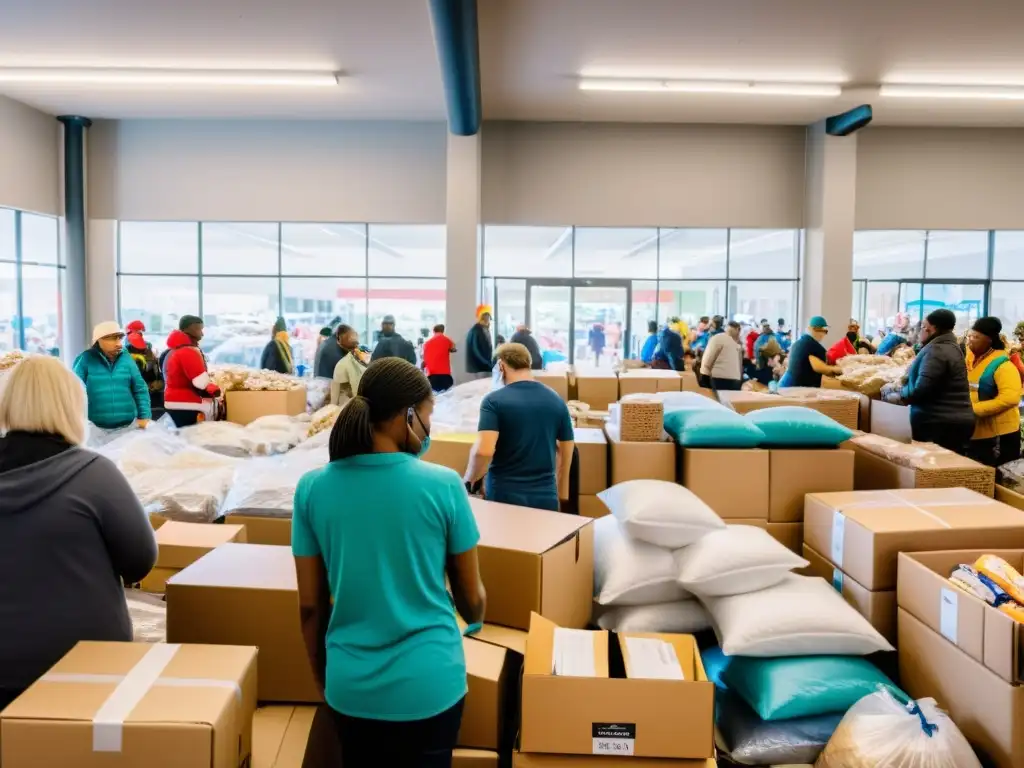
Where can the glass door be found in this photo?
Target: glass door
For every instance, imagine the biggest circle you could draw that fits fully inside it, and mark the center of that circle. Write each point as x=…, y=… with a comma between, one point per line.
x=580, y=322
x=549, y=313
x=967, y=300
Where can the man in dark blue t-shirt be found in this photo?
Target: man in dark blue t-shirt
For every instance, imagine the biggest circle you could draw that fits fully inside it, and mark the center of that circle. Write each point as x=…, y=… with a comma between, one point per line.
x=525, y=439
x=807, y=359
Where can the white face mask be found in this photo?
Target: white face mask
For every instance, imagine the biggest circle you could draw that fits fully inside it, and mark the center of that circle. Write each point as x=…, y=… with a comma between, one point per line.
x=497, y=377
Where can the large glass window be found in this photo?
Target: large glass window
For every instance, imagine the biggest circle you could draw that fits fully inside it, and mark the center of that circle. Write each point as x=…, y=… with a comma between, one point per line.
x=417, y=306
x=31, y=283
x=9, y=338
x=771, y=254
x=159, y=302
x=753, y=300
x=159, y=247
x=1007, y=256
x=323, y=249
x=603, y=252
x=527, y=251
x=953, y=254
x=693, y=254
x=1007, y=303
x=407, y=250
x=888, y=254
x=240, y=249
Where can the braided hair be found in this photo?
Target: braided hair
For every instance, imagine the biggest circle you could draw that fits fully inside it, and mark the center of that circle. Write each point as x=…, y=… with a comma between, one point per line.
x=389, y=386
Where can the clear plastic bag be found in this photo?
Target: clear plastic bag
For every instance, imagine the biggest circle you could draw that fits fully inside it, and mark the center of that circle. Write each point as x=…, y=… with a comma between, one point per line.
x=265, y=487
x=457, y=411
x=880, y=732
x=748, y=740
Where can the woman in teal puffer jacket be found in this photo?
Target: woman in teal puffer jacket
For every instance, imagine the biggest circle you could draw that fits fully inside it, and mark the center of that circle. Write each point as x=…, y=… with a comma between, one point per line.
x=116, y=392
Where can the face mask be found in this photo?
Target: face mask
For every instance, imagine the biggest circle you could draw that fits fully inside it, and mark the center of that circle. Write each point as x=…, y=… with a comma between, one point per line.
x=852, y=336
x=497, y=377
x=425, y=440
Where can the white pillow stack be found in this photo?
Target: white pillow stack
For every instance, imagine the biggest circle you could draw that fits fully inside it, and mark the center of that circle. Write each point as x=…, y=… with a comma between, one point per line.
x=636, y=585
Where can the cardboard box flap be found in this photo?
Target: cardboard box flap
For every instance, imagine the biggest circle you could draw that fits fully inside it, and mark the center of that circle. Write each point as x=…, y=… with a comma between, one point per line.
x=685, y=647
x=504, y=526
x=540, y=645
x=590, y=436
x=510, y=639
x=483, y=660
x=242, y=566
x=149, y=676
x=181, y=544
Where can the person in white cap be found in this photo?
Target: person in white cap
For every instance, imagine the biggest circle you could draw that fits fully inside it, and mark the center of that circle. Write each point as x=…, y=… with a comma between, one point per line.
x=117, y=394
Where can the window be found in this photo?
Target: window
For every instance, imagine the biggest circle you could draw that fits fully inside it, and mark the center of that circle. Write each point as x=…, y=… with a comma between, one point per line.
x=9, y=337
x=1007, y=303
x=323, y=249
x=312, y=303
x=407, y=251
x=159, y=247
x=31, y=283
x=528, y=251
x=41, y=308
x=881, y=306
x=954, y=254
x=159, y=302
x=691, y=254
x=764, y=253
x=750, y=301
x=602, y=252
x=39, y=239
x=689, y=301
x=1007, y=256
x=888, y=254
x=240, y=249
x=417, y=305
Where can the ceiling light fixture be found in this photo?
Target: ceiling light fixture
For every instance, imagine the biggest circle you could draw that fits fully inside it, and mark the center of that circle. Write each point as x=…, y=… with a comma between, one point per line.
x=172, y=77
x=925, y=91
x=747, y=87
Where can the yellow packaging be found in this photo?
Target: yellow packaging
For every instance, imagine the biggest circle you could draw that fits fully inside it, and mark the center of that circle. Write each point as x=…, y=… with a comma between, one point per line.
x=1003, y=574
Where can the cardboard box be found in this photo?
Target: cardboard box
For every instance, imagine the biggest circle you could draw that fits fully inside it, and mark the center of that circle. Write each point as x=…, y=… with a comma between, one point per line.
x=532, y=560
x=1009, y=496
x=593, y=507
x=908, y=466
x=879, y=607
x=892, y=421
x=451, y=450
x=793, y=473
x=649, y=381
x=734, y=482
x=598, y=390
x=265, y=530
x=181, y=544
x=474, y=758
x=244, y=406
x=525, y=760
x=557, y=381
x=639, y=461
x=494, y=660
x=790, y=535
x=246, y=594
x=862, y=532
x=562, y=714
x=690, y=384
x=204, y=721
x=294, y=737
x=987, y=709
x=593, y=449
x=987, y=635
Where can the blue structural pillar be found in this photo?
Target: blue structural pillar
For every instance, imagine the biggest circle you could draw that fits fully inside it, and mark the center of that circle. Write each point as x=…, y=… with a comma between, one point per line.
x=76, y=329
x=458, y=50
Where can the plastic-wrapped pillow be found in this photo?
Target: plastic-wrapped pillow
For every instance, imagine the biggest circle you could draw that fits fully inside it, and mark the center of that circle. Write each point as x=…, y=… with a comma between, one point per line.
x=734, y=560
x=715, y=663
x=659, y=512
x=802, y=686
x=748, y=740
x=628, y=572
x=712, y=428
x=681, y=617
x=799, y=616
x=795, y=426
x=881, y=732
x=681, y=401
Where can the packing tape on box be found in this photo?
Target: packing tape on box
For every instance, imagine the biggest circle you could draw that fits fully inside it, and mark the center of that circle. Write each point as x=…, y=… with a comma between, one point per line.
x=108, y=722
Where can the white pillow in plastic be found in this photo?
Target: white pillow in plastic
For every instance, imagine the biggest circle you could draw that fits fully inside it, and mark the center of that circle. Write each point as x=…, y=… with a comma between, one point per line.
x=628, y=572
x=734, y=560
x=799, y=616
x=660, y=512
x=682, y=617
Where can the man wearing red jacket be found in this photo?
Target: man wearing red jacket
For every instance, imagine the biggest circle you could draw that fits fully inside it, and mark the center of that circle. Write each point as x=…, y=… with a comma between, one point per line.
x=190, y=395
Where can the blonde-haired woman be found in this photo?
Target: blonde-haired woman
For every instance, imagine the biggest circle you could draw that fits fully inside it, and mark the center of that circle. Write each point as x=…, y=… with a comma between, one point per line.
x=70, y=528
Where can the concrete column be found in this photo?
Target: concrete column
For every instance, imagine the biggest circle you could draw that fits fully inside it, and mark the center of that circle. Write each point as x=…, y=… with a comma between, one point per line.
x=830, y=193
x=76, y=315
x=463, y=262
x=101, y=272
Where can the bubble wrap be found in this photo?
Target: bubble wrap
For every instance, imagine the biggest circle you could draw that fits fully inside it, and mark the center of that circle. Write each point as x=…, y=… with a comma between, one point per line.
x=149, y=616
x=265, y=487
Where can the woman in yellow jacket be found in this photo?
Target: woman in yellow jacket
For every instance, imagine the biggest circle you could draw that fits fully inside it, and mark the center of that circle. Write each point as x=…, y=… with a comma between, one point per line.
x=995, y=394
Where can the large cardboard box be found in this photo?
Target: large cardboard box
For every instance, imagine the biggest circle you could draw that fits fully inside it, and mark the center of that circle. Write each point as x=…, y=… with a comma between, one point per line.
x=598, y=390
x=690, y=384
x=639, y=461
x=451, y=450
x=790, y=535
x=592, y=506
x=294, y=737
x=264, y=530
x=734, y=482
x=557, y=381
x=181, y=544
x=526, y=760
x=986, y=708
x=244, y=406
x=1009, y=496
x=474, y=758
x=793, y=473
x=593, y=449
x=566, y=715
x=121, y=705
x=879, y=607
x=882, y=464
x=494, y=661
x=649, y=381
x=532, y=560
x=892, y=421
x=862, y=532
x=246, y=594
x=987, y=635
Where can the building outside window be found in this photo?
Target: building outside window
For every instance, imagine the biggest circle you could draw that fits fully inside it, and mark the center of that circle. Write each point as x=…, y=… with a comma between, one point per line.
x=31, y=283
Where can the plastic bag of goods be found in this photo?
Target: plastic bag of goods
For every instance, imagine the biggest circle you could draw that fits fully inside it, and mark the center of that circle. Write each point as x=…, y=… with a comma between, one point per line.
x=265, y=487
x=142, y=446
x=318, y=393
x=1011, y=475
x=266, y=436
x=323, y=420
x=149, y=616
x=458, y=410
x=880, y=732
x=746, y=739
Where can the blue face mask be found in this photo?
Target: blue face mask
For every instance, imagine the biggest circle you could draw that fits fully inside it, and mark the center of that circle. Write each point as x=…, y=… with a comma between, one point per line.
x=425, y=440
x=424, y=447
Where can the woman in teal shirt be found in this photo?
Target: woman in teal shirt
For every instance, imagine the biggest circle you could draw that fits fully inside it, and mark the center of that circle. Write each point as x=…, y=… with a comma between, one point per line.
x=378, y=530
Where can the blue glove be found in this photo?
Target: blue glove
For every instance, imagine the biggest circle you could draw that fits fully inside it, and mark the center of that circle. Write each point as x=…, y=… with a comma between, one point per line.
x=472, y=629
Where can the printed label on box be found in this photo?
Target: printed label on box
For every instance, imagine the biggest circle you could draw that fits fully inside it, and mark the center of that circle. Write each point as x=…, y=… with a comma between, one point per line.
x=838, y=534
x=948, y=606
x=614, y=738
x=837, y=580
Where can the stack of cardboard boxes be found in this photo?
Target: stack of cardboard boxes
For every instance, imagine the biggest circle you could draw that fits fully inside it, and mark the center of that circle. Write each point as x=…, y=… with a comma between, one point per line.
x=884, y=464
x=593, y=450
x=843, y=407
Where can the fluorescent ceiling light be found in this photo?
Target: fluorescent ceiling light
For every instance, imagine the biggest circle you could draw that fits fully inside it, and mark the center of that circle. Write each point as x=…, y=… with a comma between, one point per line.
x=918, y=91
x=185, y=77
x=753, y=88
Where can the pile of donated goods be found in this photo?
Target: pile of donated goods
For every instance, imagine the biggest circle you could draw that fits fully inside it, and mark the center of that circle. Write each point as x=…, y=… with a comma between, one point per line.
x=792, y=661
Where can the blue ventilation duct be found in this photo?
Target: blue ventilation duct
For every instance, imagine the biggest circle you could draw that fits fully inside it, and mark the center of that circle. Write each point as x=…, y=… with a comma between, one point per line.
x=458, y=49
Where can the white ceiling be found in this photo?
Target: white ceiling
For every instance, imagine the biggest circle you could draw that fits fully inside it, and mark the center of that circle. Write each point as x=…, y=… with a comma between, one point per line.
x=531, y=53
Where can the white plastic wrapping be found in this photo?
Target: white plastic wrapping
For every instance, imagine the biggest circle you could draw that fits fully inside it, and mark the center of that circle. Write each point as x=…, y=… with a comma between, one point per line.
x=149, y=616
x=266, y=436
x=265, y=487
x=457, y=411
x=880, y=732
x=869, y=373
x=318, y=393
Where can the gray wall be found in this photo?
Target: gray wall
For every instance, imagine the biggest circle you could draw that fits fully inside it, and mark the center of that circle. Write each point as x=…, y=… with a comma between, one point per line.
x=29, y=166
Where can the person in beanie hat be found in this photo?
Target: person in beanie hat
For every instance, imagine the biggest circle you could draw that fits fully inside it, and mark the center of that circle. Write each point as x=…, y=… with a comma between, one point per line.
x=190, y=395
x=144, y=357
x=995, y=395
x=116, y=394
x=479, y=348
x=277, y=355
x=323, y=338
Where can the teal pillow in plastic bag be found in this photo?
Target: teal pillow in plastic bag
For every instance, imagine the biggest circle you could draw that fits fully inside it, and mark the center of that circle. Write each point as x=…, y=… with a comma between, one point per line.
x=712, y=428
x=795, y=426
x=715, y=663
x=803, y=686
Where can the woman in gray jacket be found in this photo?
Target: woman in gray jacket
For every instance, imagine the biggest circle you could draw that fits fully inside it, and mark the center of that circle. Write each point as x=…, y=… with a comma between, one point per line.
x=71, y=528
